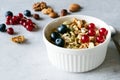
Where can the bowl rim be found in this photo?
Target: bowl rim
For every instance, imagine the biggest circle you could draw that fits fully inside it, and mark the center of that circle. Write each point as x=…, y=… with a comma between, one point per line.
x=84, y=49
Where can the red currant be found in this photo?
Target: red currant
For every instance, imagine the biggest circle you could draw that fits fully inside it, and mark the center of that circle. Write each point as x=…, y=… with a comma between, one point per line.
x=85, y=38
x=100, y=39
x=91, y=26
x=20, y=15
x=29, y=27
x=10, y=31
x=91, y=32
x=8, y=17
x=103, y=31
x=8, y=22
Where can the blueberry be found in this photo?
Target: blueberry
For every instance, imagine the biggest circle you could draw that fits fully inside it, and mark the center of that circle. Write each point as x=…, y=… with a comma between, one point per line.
x=27, y=13
x=59, y=42
x=62, y=29
x=8, y=13
x=54, y=36
x=2, y=27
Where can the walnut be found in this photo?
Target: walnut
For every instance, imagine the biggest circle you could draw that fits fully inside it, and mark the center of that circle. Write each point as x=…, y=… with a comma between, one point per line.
x=18, y=39
x=47, y=10
x=39, y=6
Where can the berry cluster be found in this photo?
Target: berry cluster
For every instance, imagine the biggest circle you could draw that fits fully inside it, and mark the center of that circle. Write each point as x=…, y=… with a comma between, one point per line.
x=20, y=19
x=92, y=32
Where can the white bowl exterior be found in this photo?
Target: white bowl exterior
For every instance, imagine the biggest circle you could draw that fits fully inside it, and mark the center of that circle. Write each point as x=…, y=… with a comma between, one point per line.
x=76, y=60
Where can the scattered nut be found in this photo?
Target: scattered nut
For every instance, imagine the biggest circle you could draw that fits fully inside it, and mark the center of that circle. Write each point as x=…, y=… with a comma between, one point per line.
x=74, y=7
x=18, y=39
x=39, y=6
x=53, y=15
x=47, y=10
x=64, y=12
x=36, y=16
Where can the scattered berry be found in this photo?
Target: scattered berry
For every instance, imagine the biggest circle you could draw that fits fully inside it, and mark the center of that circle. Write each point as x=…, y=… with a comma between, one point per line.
x=27, y=13
x=62, y=29
x=91, y=26
x=8, y=13
x=59, y=42
x=85, y=39
x=54, y=36
x=103, y=31
x=91, y=32
x=100, y=39
x=10, y=30
x=2, y=27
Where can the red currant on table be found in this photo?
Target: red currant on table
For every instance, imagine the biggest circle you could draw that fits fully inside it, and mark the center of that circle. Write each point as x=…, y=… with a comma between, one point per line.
x=100, y=39
x=10, y=30
x=29, y=27
x=85, y=39
x=103, y=31
x=91, y=32
x=91, y=26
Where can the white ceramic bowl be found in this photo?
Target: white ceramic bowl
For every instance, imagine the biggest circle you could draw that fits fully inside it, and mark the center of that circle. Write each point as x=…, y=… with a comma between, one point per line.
x=75, y=60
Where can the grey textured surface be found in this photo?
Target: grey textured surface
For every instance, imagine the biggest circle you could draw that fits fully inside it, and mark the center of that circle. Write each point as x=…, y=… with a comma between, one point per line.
x=29, y=61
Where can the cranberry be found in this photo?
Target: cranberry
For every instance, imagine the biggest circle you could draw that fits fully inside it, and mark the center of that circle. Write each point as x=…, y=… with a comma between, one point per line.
x=10, y=31
x=85, y=38
x=29, y=27
x=100, y=39
x=91, y=26
x=103, y=31
x=91, y=32
x=24, y=24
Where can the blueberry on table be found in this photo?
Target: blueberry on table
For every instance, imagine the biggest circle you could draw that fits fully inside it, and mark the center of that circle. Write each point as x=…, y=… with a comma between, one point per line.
x=62, y=29
x=54, y=36
x=2, y=27
x=8, y=13
x=27, y=13
x=59, y=42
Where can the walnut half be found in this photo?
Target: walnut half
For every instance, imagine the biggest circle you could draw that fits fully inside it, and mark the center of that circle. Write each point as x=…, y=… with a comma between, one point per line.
x=18, y=39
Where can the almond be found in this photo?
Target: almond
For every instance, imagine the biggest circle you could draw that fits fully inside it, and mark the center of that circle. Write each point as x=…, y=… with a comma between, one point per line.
x=53, y=15
x=74, y=7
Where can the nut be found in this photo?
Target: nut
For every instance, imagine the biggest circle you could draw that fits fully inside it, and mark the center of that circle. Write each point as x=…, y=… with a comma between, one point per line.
x=74, y=7
x=18, y=39
x=36, y=16
x=39, y=6
x=53, y=15
x=47, y=10
x=64, y=12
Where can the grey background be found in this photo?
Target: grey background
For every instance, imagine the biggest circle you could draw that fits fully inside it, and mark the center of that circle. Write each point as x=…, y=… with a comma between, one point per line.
x=30, y=62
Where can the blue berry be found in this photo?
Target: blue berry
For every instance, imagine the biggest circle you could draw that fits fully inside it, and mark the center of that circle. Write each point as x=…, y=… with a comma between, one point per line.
x=54, y=36
x=8, y=13
x=2, y=27
x=59, y=42
x=62, y=29
x=27, y=13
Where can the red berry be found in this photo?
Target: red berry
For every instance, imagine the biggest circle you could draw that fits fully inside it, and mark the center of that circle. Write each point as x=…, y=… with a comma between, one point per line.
x=91, y=32
x=10, y=31
x=91, y=26
x=103, y=31
x=8, y=17
x=20, y=15
x=85, y=38
x=29, y=27
x=100, y=39
x=24, y=24
x=8, y=22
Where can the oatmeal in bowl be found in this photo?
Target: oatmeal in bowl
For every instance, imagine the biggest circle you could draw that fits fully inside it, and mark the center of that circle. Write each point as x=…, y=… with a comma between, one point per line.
x=76, y=43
